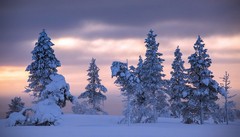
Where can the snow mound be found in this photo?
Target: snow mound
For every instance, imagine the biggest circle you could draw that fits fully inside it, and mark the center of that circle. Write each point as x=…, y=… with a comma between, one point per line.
x=16, y=118
x=45, y=112
x=57, y=90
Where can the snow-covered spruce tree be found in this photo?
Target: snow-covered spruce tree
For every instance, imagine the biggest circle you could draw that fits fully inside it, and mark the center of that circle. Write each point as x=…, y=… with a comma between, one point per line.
x=139, y=66
x=16, y=106
x=139, y=104
x=229, y=105
x=202, y=98
x=44, y=82
x=135, y=104
x=136, y=71
x=44, y=64
x=151, y=77
x=177, y=84
x=94, y=90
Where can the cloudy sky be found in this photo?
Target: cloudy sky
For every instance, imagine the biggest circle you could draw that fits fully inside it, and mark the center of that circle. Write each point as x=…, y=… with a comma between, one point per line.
x=111, y=30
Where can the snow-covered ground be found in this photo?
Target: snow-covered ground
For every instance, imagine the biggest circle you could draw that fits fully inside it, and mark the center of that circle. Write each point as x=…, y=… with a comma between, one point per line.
x=73, y=125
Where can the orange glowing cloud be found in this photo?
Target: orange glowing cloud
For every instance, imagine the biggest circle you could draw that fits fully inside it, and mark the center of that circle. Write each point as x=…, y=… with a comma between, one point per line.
x=12, y=80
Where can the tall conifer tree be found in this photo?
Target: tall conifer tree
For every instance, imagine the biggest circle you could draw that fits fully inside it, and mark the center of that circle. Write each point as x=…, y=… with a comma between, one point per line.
x=178, y=83
x=135, y=104
x=151, y=77
x=94, y=90
x=203, y=95
x=44, y=64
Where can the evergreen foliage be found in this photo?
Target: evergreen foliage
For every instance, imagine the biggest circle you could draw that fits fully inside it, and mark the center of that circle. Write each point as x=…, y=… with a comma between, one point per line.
x=193, y=92
x=201, y=100
x=16, y=106
x=178, y=84
x=44, y=64
x=139, y=66
x=94, y=90
x=151, y=77
x=229, y=105
x=134, y=110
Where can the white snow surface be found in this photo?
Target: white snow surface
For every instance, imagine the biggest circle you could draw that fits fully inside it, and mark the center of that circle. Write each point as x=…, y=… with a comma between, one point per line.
x=73, y=125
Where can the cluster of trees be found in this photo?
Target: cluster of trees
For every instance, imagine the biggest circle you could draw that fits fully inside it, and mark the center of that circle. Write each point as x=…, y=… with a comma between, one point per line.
x=190, y=93
x=51, y=91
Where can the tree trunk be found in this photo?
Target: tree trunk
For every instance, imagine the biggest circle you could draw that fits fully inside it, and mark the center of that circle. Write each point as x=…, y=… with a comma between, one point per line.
x=129, y=113
x=226, y=110
x=201, y=112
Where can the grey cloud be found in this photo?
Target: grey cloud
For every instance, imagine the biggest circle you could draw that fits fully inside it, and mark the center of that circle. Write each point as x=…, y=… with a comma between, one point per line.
x=15, y=54
x=22, y=20
x=23, y=16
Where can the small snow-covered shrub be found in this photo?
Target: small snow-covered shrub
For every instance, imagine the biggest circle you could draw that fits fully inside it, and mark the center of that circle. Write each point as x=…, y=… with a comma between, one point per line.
x=16, y=118
x=45, y=112
x=16, y=106
x=57, y=90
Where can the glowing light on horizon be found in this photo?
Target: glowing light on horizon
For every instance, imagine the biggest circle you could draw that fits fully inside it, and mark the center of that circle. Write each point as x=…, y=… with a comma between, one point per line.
x=66, y=43
x=223, y=42
x=13, y=79
x=127, y=45
x=12, y=73
x=92, y=26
